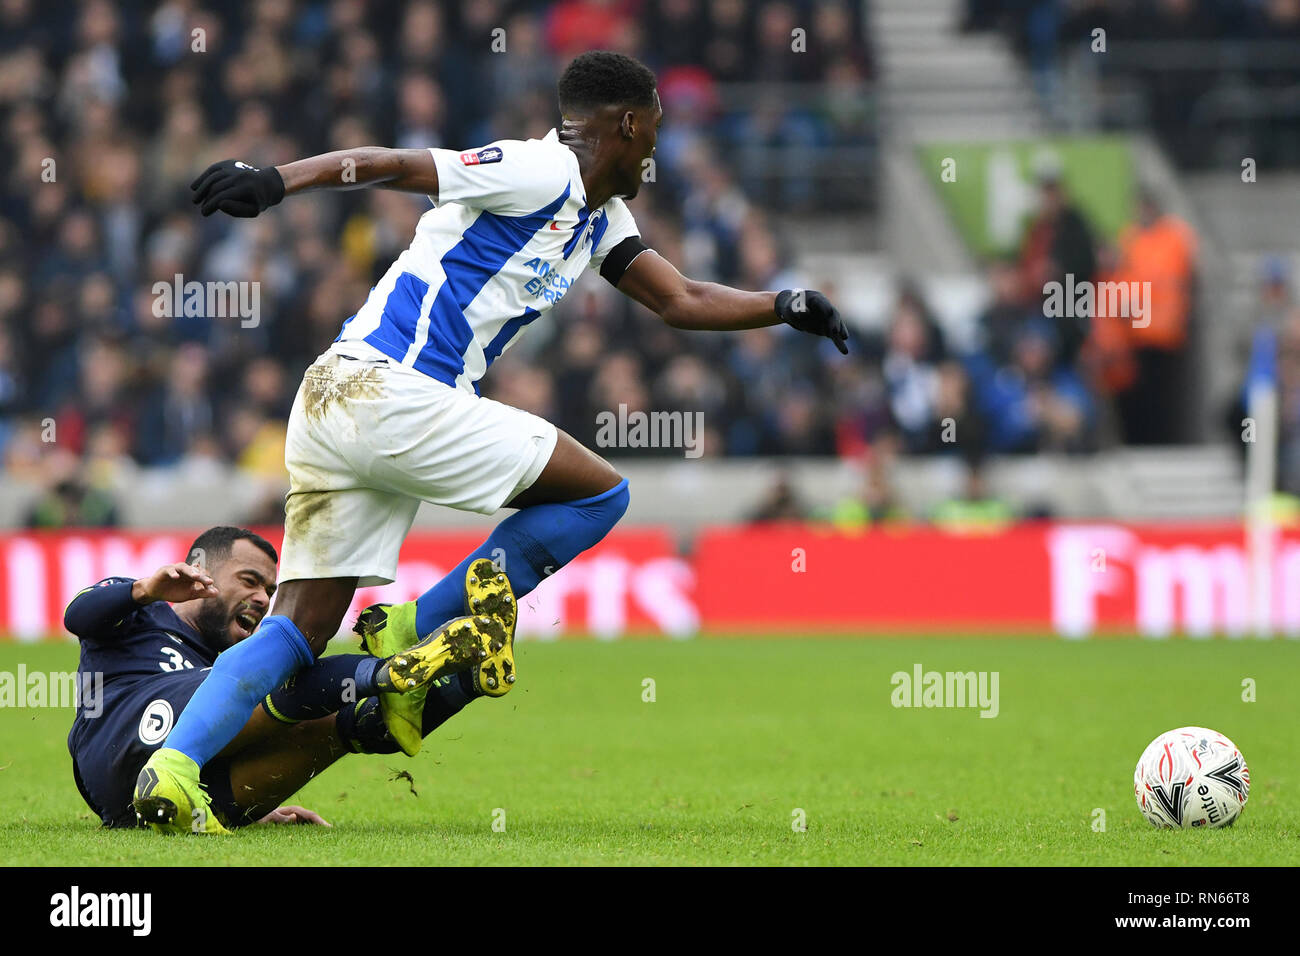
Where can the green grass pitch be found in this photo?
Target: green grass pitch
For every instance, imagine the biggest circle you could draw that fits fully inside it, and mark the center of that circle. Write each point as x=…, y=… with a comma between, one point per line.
x=741, y=734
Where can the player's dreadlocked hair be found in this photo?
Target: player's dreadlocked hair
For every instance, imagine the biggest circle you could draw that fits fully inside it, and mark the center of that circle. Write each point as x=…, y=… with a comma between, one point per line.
x=602, y=78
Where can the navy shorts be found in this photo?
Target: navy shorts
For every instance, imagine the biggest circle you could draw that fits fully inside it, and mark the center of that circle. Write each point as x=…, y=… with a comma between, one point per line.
x=109, y=751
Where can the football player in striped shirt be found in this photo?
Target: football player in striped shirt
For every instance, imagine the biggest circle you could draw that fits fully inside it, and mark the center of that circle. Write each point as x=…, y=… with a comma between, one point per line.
x=390, y=414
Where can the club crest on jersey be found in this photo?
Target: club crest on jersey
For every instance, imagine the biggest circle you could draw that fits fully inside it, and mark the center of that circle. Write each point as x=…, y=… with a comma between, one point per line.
x=490, y=155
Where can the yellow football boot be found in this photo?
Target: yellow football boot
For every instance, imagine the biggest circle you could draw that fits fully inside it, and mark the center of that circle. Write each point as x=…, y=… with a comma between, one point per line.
x=488, y=591
x=386, y=630
x=459, y=645
x=170, y=798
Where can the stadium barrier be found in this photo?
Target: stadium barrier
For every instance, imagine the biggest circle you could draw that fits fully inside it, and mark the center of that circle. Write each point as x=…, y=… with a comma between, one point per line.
x=1072, y=579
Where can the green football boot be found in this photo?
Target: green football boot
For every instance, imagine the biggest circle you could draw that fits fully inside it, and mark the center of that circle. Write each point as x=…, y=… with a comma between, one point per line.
x=170, y=798
x=411, y=666
x=386, y=630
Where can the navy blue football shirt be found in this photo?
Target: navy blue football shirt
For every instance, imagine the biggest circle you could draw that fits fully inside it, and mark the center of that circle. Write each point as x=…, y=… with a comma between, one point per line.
x=139, y=666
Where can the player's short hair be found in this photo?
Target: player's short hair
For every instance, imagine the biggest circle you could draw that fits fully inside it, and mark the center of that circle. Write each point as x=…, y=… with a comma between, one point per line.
x=603, y=78
x=216, y=544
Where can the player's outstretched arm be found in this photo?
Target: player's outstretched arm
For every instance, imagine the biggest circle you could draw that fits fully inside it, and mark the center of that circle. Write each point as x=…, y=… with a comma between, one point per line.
x=98, y=609
x=239, y=189
x=174, y=583
x=707, y=306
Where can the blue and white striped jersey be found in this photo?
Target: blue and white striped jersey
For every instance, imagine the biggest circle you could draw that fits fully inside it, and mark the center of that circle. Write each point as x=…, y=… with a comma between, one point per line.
x=509, y=234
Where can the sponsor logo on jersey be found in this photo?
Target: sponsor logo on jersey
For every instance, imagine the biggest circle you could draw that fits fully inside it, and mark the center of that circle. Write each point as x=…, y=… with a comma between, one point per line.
x=590, y=236
x=490, y=155
x=549, y=284
x=156, y=722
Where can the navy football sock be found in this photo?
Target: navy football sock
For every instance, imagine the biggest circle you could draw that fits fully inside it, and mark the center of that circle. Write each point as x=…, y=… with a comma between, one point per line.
x=326, y=687
x=529, y=545
x=240, y=678
x=447, y=698
x=362, y=730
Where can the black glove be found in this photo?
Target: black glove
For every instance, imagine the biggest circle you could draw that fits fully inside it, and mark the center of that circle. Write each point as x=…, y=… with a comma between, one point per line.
x=810, y=311
x=237, y=189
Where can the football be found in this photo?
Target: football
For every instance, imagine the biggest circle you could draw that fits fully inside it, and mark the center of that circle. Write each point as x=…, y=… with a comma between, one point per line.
x=1191, y=777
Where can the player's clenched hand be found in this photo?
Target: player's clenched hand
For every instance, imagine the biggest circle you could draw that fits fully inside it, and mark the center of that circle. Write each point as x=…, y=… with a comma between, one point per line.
x=237, y=189
x=295, y=815
x=174, y=582
x=809, y=311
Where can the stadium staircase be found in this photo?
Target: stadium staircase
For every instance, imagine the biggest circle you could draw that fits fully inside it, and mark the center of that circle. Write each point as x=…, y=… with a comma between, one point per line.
x=938, y=83
x=1247, y=224
x=1186, y=483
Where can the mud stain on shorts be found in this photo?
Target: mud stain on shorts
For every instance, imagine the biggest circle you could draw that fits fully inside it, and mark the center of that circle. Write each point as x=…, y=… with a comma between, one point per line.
x=326, y=385
x=306, y=512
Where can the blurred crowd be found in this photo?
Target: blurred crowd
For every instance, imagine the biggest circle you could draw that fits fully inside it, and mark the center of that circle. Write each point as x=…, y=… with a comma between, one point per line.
x=109, y=109
x=1035, y=378
x=1222, y=81
x=1272, y=355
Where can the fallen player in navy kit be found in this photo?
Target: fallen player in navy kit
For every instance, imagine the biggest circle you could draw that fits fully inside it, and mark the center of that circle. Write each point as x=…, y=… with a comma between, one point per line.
x=153, y=640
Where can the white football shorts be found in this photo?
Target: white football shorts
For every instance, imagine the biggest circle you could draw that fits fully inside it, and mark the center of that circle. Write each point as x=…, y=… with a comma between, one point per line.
x=369, y=439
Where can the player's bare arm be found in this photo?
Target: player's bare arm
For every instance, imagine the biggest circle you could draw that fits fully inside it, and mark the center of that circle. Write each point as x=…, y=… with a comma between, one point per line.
x=242, y=190
x=707, y=306
x=407, y=170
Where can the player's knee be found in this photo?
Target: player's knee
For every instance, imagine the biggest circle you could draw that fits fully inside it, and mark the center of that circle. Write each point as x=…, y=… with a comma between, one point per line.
x=622, y=499
x=316, y=608
x=319, y=638
x=316, y=629
x=612, y=505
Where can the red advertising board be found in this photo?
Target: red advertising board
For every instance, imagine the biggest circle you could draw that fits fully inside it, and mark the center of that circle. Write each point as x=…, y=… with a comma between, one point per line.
x=800, y=577
x=632, y=581
x=1074, y=579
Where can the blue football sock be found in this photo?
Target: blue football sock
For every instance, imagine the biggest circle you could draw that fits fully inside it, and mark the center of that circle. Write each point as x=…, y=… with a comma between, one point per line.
x=529, y=545
x=240, y=678
x=324, y=688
